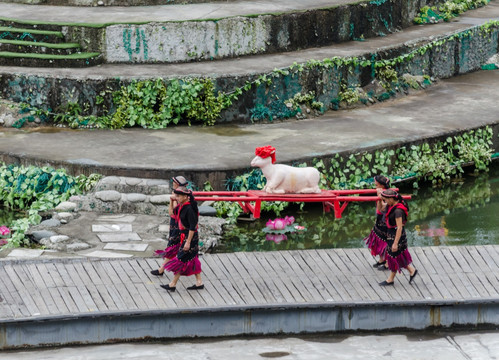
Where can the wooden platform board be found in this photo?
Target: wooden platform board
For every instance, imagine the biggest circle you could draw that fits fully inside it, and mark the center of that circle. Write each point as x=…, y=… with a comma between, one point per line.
x=46, y=288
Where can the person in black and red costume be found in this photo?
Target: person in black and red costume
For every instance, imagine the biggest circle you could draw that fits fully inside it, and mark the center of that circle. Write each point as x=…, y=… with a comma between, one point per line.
x=376, y=241
x=174, y=234
x=186, y=263
x=397, y=254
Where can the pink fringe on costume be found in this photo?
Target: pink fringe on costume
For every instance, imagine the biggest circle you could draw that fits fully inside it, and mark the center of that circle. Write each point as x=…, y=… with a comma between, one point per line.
x=169, y=253
x=400, y=262
x=188, y=268
x=376, y=244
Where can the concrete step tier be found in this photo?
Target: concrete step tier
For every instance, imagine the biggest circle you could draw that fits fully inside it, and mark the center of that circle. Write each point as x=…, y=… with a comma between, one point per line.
x=31, y=47
x=49, y=60
x=31, y=34
x=43, y=45
x=198, y=32
x=29, y=25
x=455, y=49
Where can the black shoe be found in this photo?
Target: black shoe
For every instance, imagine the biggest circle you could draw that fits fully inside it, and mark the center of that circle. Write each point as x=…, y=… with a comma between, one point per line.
x=157, y=273
x=196, y=287
x=379, y=263
x=169, y=288
x=382, y=268
x=386, y=283
x=413, y=276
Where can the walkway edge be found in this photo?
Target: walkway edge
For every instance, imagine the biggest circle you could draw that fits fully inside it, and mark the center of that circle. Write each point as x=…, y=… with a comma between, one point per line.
x=252, y=320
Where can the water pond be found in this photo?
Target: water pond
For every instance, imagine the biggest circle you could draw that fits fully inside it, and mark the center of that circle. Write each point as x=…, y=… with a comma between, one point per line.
x=460, y=213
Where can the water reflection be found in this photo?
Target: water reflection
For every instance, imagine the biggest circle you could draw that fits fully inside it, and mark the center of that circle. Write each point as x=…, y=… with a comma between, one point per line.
x=461, y=213
x=7, y=216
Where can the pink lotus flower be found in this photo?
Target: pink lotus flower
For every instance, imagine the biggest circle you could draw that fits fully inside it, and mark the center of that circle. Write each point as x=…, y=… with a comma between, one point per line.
x=280, y=224
x=299, y=227
x=4, y=230
x=4, y=233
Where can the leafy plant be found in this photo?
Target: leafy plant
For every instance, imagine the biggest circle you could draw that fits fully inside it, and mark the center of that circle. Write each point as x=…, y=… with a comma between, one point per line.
x=307, y=99
x=447, y=10
x=260, y=113
x=32, y=189
x=350, y=95
x=70, y=114
x=156, y=104
x=387, y=76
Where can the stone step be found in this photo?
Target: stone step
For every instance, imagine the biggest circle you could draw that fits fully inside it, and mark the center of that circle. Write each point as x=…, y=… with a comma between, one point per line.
x=29, y=25
x=82, y=59
x=19, y=46
x=27, y=34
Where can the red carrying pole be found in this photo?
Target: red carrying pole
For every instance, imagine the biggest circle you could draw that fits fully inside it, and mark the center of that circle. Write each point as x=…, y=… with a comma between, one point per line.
x=331, y=199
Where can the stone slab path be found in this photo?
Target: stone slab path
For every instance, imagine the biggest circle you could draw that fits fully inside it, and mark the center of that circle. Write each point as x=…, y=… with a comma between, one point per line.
x=101, y=235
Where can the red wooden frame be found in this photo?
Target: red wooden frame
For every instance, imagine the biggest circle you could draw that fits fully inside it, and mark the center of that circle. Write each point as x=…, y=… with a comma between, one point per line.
x=251, y=200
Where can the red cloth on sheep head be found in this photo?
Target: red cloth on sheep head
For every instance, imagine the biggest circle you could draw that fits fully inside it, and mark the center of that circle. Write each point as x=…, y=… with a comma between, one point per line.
x=266, y=151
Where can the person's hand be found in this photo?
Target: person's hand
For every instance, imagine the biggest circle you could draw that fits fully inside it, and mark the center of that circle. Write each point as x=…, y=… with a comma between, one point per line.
x=187, y=247
x=395, y=247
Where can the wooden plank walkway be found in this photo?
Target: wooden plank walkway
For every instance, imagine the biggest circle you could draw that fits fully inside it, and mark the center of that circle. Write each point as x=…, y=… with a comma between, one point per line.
x=58, y=287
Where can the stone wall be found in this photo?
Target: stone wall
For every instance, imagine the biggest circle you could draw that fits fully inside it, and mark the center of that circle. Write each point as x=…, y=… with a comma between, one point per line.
x=454, y=54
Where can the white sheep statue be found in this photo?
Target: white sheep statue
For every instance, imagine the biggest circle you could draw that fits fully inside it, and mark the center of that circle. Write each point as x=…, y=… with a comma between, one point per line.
x=285, y=179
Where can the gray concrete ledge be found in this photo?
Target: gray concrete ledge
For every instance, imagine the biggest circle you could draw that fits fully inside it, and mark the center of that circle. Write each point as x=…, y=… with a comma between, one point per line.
x=243, y=321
